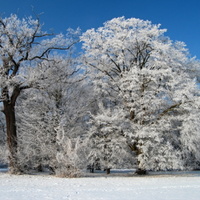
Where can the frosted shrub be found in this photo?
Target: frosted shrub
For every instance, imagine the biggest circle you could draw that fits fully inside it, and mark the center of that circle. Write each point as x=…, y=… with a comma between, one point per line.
x=69, y=160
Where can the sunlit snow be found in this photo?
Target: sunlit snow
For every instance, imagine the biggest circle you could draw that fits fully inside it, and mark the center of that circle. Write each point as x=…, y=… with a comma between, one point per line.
x=177, y=186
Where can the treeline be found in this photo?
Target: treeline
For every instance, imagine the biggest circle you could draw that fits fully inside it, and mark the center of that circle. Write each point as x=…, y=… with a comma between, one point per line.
x=130, y=99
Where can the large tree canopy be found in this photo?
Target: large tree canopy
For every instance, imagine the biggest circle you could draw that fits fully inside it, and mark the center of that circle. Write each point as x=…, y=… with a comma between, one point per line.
x=147, y=74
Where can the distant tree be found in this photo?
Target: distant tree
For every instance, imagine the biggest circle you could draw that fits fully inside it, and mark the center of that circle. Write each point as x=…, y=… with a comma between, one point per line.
x=149, y=76
x=22, y=48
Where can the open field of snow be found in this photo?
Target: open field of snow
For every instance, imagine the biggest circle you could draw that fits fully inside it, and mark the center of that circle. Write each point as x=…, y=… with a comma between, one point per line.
x=152, y=187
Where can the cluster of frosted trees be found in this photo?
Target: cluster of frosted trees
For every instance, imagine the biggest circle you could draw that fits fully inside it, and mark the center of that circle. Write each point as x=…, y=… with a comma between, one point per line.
x=130, y=100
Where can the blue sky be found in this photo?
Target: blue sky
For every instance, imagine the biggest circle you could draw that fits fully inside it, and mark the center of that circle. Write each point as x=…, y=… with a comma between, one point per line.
x=180, y=17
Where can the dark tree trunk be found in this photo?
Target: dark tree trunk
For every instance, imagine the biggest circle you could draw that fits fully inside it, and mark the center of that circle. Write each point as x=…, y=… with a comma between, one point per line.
x=9, y=111
x=107, y=170
x=135, y=148
x=141, y=171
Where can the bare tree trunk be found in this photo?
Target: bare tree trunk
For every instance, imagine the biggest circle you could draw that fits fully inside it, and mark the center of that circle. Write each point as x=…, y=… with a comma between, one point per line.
x=9, y=111
x=134, y=147
x=108, y=171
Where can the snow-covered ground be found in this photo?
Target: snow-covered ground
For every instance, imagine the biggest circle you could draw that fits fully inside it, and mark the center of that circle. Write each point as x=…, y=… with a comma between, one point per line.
x=177, y=186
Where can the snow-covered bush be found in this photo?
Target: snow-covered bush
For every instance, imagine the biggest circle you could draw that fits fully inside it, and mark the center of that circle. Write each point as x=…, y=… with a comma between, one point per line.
x=69, y=156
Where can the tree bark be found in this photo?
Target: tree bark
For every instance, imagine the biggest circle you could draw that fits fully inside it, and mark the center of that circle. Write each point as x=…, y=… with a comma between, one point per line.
x=9, y=111
x=107, y=170
x=141, y=171
x=11, y=130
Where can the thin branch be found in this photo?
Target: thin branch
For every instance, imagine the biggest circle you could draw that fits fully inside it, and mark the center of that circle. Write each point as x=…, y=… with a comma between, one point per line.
x=49, y=49
x=170, y=109
x=117, y=65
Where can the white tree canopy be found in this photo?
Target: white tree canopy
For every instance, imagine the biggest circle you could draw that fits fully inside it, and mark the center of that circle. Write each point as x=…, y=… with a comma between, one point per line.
x=150, y=77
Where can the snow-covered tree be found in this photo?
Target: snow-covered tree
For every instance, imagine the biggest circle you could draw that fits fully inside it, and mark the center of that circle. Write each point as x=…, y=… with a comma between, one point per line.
x=52, y=120
x=23, y=45
x=148, y=75
x=190, y=135
x=72, y=130
x=108, y=147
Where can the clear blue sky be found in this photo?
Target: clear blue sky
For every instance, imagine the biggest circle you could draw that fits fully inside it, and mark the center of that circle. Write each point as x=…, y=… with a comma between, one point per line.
x=180, y=17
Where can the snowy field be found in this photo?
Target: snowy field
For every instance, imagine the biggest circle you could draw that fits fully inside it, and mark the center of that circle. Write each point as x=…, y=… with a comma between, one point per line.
x=177, y=186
